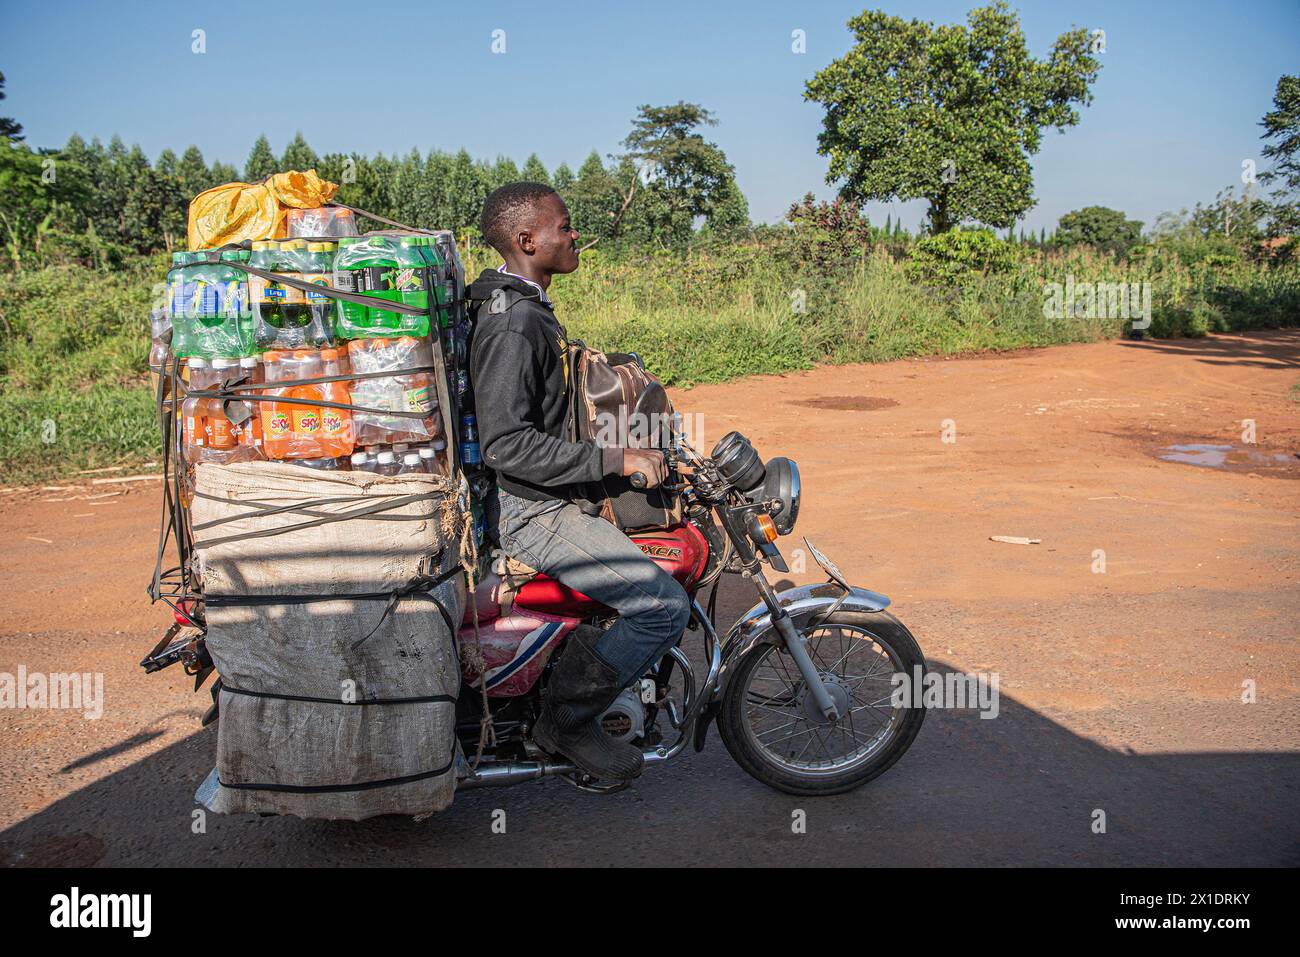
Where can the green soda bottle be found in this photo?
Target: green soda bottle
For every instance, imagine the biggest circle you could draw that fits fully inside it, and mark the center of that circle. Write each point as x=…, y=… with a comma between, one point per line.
x=413, y=274
x=318, y=269
x=229, y=339
x=369, y=266
x=205, y=304
x=440, y=279
x=265, y=308
x=293, y=302
x=244, y=306
x=178, y=307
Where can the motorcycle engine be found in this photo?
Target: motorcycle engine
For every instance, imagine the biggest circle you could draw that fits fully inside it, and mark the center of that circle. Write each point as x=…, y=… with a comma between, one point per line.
x=624, y=720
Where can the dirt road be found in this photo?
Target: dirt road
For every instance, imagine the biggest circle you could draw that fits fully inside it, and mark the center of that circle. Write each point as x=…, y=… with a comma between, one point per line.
x=1161, y=594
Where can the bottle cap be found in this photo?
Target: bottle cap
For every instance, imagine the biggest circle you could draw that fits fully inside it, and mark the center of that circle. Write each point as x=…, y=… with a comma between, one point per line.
x=359, y=458
x=386, y=458
x=222, y=362
x=248, y=362
x=198, y=362
x=426, y=452
x=411, y=459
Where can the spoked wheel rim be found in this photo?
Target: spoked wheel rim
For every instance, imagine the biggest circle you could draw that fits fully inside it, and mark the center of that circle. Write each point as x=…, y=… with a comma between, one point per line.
x=782, y=723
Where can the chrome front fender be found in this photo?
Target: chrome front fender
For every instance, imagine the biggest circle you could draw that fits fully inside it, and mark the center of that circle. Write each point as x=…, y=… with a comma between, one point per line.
x=802, y=604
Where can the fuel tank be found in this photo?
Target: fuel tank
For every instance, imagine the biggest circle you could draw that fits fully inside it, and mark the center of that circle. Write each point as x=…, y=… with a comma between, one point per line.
x=680, y=550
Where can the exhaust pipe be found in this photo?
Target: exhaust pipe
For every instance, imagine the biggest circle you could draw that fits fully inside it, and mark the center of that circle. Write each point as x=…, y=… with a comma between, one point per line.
x=500, y=774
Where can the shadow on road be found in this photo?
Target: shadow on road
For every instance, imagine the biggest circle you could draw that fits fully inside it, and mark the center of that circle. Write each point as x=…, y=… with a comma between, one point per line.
x=1267, y=350
x=1018, y=789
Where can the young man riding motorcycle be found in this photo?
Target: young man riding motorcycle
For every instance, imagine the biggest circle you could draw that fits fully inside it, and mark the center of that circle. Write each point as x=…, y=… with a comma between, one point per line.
x=519, y=369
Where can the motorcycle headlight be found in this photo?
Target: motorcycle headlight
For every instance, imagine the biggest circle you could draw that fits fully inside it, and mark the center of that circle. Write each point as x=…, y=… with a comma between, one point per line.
x=782, y=484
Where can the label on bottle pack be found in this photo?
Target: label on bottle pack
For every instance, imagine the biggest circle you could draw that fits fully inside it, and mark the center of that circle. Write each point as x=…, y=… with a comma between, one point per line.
x=317, y=279
x=417, y=400
x=306, y=422
x=233, y=298
x=412, y=280
x=219, y=433
x=279, y=424
x=332, y=421
x=257, y=289
x=285, y=295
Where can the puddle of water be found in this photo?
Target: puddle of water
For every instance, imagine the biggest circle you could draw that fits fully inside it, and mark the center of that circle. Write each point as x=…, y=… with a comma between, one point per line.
x=1224, y=457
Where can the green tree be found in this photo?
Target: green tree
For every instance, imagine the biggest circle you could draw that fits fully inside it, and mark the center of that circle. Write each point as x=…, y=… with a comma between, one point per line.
x=1282, y=126
x=677, y=173
x=1099, y=226
x=10, y=129
x=36, y=189
x=154, y=212
x=220, y=174
x=1239, y=219
x=193, y=174
x=298, y=155
x=535, y=170
x=261, y=162
x=593, y=199
x=563, y=179
x=950, y=114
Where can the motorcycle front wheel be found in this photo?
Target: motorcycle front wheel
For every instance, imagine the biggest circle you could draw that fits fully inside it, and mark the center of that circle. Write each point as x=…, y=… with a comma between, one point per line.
x=773, y=729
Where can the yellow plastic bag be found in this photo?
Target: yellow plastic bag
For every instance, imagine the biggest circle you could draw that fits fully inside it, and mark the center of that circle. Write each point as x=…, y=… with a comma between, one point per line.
x=238, y=211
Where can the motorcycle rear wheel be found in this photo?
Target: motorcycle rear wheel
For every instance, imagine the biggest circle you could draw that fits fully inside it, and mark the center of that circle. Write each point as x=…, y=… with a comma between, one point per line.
x=772, y=729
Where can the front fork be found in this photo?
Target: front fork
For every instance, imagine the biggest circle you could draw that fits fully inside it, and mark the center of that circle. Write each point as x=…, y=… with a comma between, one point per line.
x=795, y=643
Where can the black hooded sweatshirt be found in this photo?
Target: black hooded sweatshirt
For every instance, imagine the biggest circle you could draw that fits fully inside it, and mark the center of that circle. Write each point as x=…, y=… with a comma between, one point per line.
x=519, y=368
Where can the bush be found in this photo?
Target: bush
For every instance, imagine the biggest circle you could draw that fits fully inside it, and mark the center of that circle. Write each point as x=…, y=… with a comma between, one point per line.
x=959, y=255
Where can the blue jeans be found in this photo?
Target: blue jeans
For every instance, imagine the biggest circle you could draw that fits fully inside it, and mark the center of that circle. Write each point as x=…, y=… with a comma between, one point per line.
x=593, y=557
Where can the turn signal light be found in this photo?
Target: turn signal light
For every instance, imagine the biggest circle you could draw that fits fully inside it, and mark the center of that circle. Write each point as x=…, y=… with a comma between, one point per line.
x=766, y=527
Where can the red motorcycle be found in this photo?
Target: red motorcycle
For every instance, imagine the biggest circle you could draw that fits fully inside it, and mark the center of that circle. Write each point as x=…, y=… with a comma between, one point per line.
x=801, y=686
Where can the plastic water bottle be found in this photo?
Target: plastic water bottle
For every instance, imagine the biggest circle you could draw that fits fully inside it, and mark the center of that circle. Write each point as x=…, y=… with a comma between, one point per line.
x=470, y=453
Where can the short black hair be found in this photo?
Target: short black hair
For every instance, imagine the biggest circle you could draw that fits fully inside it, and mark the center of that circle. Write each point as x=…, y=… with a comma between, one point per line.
x=506, y=208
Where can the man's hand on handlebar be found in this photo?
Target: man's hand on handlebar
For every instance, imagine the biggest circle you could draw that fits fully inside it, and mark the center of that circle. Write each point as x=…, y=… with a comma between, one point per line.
x=645, y=468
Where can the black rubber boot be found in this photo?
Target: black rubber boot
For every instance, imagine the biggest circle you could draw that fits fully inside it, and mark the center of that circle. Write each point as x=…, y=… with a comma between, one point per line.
x=582, y=686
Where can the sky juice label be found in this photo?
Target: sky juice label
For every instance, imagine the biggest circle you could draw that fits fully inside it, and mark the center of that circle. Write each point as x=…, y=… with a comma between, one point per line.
x=332, y=422
x=279, y=424
x=307, y=423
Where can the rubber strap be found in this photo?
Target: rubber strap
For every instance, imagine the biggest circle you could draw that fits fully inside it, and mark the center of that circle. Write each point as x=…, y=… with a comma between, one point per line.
x=334, y=788
x=428, y=699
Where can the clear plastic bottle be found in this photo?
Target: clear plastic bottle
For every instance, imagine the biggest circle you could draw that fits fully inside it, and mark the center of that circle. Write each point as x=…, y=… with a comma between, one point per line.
x=411, y=464
x=250, y=371
x=362, y=462
x=386, y=463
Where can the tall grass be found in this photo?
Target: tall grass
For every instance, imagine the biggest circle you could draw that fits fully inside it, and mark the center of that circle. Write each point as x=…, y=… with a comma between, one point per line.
x=74, y=342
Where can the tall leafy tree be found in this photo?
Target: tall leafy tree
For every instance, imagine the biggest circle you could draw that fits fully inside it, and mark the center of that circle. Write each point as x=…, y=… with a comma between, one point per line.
x=1099, y=226
x=504, y=171
x=298, y=155
x=193, y=173
x=1282, y=127
x=261, y=162
x=10, y=129
x=949, y=113
x=675, y=172
x=593, y=199
x=535, y=170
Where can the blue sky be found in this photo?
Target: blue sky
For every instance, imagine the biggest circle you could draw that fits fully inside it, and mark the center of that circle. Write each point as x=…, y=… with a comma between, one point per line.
x=1177, y=104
